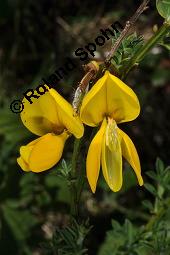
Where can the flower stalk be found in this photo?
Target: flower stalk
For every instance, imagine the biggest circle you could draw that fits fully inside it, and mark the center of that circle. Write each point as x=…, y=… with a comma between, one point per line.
x=73, y=179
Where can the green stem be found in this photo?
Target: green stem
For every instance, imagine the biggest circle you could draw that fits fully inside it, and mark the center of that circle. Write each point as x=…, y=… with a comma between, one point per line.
x=75, y=155
x=140, y=54
x=73, y=179
x=156, y=217
x=130, y=213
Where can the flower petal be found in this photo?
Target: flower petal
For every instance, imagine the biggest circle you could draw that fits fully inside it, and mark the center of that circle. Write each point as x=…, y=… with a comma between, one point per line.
x=47, y=152
x=23, y=164
x=112, y=97
x=112, y=161
x=94, y=157
x=93, y=109
x=42, y=153
x=66, y=115
x=130, y=154
x=25, y=152
x=41, y=117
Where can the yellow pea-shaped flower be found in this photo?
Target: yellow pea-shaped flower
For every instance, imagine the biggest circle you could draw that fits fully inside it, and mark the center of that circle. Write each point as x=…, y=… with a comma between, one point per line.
x=108, y=103
x=52, y=118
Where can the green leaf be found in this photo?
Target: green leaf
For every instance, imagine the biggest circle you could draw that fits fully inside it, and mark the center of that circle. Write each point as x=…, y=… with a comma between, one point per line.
x=69, y=240
x=129, y=230
x=115, y=225
x=163, y=7
x=152, y=175
x=127, y=49
x=159, y=166
x=151, y=189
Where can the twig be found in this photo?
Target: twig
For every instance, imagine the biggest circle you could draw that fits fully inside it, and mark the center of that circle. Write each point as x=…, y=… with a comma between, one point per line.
x=69, y=30
x=130, y=213
x=129, y=24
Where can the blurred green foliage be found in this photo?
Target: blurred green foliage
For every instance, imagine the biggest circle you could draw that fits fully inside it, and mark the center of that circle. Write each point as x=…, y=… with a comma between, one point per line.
x=68, y=241
x=154, y=236
x=126, y=51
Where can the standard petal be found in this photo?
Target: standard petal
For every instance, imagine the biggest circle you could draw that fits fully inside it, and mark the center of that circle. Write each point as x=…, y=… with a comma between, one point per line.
x=130, y=154
x=112, y=161
x=47, y=152
x=94, y=157
x=94, y=105
x=41, y=117
x=123, y=101
x=109, y=97
x=66, y=115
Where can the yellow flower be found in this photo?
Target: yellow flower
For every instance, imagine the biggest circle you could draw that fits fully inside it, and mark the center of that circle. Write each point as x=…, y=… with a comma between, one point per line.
x=51, y=117
x=110, y=101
